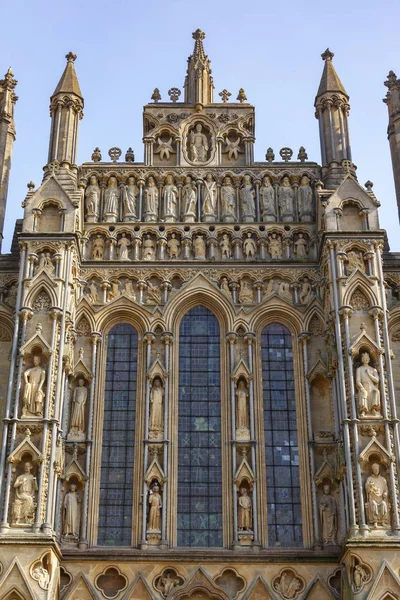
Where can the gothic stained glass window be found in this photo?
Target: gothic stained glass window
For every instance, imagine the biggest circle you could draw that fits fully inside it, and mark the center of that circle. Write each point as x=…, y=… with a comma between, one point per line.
x=116, y=480
x=280, y=435
x=199, y=443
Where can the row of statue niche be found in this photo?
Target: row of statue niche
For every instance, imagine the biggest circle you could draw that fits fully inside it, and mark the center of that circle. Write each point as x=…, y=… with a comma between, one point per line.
x=95, y=295
x=200, y=200
x=242, y=292
x=173, y=246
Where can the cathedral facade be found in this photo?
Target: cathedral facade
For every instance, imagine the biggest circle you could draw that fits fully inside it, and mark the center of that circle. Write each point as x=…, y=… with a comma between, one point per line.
x=199, y=378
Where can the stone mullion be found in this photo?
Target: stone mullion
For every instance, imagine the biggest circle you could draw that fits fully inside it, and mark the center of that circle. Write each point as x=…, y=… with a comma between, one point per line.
x=148, y=338
x=250, y=337
x=231, y=338
x=167, y=339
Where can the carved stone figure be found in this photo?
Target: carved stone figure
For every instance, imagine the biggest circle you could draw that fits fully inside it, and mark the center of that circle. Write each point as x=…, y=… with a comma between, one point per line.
x=367, y=381
x=242, y=409
x=42, y=576
x=288, y=585
x=244, y=511
x=355, y=261
x=210, y=199
x=149, y=248
x=245, y=293
x=173, y=246
x=155, y=501
x=24, y=504
x=267, y=200
x=151, y=201
x=270, y=289
x=129, y=289
x=300, y=247
x=284, y=291
x=228, y=201
x=93, y=294
x=360, y=577
x=153, y=294
x=189, y=200
x=170, y=197
x=249, y=247
x=225, y=247
x=232, y=148
x=328, y=516
x=285, y=200
x=98, y=248
x=92, y=197
x=225, y=287
x=305, y=291
x=275, y=246
x=156, y=409
x=11, y=299
x=79, y=397
x=164, y=148
x=167, y=583
x=111, y=200
x=198, y=145
x=33, y=398
x=246, y=195
x=199, y=246
x=131, y=192
x=376, y=489
x=71, y=512
x=123, y=247
x=305, y=199
x=114, y=292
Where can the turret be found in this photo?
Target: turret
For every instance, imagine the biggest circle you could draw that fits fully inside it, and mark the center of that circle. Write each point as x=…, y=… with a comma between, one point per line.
x=393, y=103
x=332, y=109
x=199, y=85
x=66, y=106
x=7, y=138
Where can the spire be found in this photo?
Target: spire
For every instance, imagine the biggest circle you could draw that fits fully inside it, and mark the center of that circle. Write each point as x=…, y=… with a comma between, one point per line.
x=199, y=85
x=332, y=109
x=66, y=106
x=393, y=103
x=8, y=99
x=330, y=81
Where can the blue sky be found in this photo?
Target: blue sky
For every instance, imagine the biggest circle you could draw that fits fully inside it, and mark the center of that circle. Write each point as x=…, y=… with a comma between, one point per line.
x=272, y=50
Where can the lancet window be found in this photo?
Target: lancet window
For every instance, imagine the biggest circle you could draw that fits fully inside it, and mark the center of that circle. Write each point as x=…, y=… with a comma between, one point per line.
x=116, y=478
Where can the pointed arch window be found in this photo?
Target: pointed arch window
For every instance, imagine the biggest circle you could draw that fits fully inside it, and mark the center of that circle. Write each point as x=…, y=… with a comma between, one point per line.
x=280, y=438
x=117, y=460
x=199, y=521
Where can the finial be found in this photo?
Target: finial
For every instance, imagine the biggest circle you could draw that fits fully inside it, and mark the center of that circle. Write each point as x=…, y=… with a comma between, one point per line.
x=286, y=154
x=30, y=186
x=198, y=35
x=71, y=57
x=327, y=55
x=96, y=156
x=391, y=80
x=270, y=155
x=81, y=352
x=241, y=96
x=369, y=185
x=225, y=95
x=156, y=97
x=11, y=74
x=114, y=153
x=130, y=155
x=174, y=94
x=347, y=166
x=28, y=433
x=302, y=155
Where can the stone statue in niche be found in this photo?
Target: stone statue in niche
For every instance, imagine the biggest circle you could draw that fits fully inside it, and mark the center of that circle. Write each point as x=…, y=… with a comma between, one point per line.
x=156, y=409
x=33, y=398
x=270, y=289
x=210, y=199
x=93, y=294
x=267, y=200
x=45, y=263
x=247, y=200
x=242, y=411
x=23, y=509
x=198, y=145
x=42, y=576
x=150, y=201
x=11, y=299
x=114, y=292
x=225, y=247
x=225, y=287
x=77, y=426
x=149, y=248
x=155, y=502
x=275, y=246
x=245, y=293
x=360, y=577
x=170, y=197
x=123, y=247
x=245, y=518
x=284, y=291
x=355, y=261
x=92, y=198
x=228, y=201
x=232, y=148
x=367, y=381
x=300, y=247
x=376, y=489
x=164, y=148
x=328, y=516
x=129, y=291
x=305, y=199
x=189, y=200
x=131, y=192
x=98, y=248
x=173, y=246
x=285, y=200
x=199, y=246
x=71, y=512
x=153, y=295
x=167, y=583
x=111, y=201
x=305, y=291
x=249, y=247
